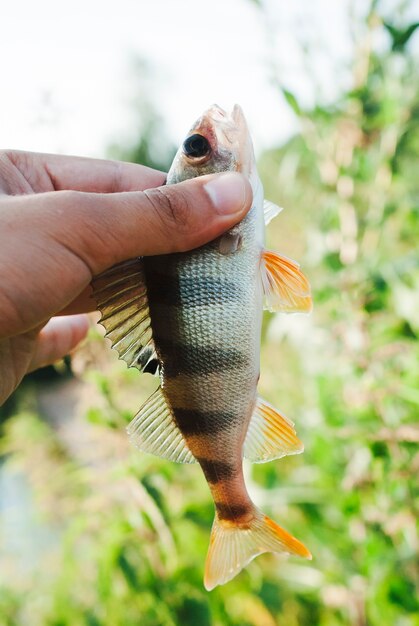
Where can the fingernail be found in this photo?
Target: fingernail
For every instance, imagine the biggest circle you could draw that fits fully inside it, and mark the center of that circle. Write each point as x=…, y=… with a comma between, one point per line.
x=228, y=192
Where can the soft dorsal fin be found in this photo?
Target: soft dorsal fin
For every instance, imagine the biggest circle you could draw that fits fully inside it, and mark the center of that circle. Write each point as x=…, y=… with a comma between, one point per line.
x=121, y=297
x=270, y=435
x=270, y=210
x=285, y=287
x=155, y=431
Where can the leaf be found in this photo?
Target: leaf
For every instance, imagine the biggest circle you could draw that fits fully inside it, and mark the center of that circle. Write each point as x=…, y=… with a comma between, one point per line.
x=128, y=571
x=292, y=101
x=194, y=610
x=400, y=37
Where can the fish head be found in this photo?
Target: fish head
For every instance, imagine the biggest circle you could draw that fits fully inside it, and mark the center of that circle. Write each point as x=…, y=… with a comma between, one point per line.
x=217, y=142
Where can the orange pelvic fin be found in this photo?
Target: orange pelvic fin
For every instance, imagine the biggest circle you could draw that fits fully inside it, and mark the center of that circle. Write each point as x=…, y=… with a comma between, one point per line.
x=285, y=287
x=232, y=547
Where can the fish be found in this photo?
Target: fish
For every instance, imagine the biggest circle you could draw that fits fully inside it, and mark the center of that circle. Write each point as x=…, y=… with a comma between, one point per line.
x=194, y=319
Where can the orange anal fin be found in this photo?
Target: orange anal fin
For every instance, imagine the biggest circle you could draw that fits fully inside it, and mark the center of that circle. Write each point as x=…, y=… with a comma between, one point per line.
x=285, y=287
x=270, y=435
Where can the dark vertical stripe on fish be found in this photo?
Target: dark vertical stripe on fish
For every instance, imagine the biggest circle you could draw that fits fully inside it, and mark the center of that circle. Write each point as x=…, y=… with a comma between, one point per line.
x=195, y=422
x=195, y=360
x=231, y=511
x=216, y=471
x=190, y=290
x=162, y=288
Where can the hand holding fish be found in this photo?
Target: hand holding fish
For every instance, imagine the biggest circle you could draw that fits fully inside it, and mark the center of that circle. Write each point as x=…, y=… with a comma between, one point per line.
x=66, y=219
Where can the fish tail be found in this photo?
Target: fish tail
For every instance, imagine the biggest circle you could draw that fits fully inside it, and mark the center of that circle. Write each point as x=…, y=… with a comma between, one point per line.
x=233, y=546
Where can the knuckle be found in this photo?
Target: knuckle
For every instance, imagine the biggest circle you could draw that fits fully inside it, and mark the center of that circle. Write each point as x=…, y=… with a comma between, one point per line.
x=79, y=206
x=10, y=155
x=91, y=239
x=115, y=179
x=72, y=198
x=172, y=208
x=74, y=204
x=26, y=176
x=12, y=169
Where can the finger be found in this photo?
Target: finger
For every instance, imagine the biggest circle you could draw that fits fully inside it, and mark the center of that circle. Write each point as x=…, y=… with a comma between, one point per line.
x=51, y=172
x=102, y=230
x=58, y=338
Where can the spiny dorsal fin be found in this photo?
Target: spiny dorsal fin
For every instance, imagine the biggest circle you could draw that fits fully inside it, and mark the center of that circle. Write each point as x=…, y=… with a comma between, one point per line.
x=270, y=435
x=233, y=546
x=285, y=287
x=155, y=431
x=121, y=297
x=270, y=210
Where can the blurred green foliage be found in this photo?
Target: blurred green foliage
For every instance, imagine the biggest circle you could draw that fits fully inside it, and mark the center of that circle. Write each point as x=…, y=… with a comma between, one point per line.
x=149, y=144
x=114, y=537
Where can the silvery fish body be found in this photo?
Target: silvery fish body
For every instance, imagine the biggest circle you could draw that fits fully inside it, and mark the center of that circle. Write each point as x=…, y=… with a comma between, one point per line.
x=196, y=318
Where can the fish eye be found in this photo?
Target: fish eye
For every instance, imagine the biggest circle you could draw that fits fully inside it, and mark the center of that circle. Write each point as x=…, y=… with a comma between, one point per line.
x=196, y=146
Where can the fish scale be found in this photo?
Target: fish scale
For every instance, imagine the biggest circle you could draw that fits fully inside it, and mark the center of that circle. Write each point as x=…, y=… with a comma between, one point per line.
x=195, y=318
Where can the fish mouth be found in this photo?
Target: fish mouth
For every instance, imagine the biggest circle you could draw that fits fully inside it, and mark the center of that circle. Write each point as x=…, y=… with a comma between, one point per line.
x=218, y=114
x=233, y=134
x=228, y=125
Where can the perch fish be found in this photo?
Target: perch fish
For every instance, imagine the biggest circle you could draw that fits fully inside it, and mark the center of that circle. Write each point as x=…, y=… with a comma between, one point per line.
x=195, y=319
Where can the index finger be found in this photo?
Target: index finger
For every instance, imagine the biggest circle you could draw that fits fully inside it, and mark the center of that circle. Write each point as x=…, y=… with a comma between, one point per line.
x=53, y=172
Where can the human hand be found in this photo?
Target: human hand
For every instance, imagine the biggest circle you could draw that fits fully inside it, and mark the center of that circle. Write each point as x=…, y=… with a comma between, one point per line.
x=65, y=219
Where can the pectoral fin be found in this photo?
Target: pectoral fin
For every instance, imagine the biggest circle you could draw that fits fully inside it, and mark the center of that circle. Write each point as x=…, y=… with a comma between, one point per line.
x=121, y=297
x=285, y=287
x=270, y=211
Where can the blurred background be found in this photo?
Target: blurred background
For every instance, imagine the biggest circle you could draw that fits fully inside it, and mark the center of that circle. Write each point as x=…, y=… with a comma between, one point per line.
x=94, y=533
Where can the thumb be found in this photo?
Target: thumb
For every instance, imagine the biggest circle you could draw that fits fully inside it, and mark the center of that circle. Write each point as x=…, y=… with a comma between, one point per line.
x=105, y=229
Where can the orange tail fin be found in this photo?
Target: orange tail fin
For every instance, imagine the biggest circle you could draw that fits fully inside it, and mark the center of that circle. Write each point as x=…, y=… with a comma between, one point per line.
x=232, y=547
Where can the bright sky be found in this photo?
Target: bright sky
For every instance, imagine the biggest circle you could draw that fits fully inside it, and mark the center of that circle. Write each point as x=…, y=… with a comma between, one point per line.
x=69, y=79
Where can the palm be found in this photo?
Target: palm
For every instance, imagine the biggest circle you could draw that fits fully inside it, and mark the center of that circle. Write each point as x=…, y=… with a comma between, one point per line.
x=46, y=260
x=25, y=351
x=16, y=353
